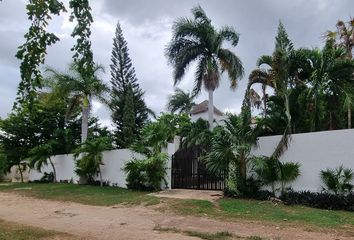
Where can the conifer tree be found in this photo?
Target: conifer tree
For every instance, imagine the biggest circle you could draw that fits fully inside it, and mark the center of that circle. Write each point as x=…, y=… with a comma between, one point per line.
x=123, y=78
x=128, y=118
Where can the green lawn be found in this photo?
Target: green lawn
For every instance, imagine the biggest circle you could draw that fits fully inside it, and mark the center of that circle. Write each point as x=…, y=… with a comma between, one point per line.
x=226, y=209
x=90, y=195
x=264, y=211
x=14, y=231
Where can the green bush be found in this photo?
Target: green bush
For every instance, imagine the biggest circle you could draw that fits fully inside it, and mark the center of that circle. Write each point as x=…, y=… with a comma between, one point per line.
x=146, y=174
x=338, y=181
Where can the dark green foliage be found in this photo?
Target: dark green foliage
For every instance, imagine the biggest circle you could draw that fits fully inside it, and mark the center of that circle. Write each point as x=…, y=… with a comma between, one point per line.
x=83, y=56
x=271, y=171
x=89, y=156
x=196, y=134
x=32, y=53
x=147, y=174
x=319, y=200
x=128, y=118
x=123, y=80
x=230, y=150
x=156, y=135
x=338, y=181
x=180, y=101
x=47, y=178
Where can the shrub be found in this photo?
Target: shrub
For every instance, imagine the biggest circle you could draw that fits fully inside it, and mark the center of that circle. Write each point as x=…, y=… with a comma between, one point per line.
x=338, y=181
x=322, y=200
x=146, y=174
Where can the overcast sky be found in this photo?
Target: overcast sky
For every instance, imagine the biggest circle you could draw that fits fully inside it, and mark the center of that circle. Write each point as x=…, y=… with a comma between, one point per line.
x=147, y=28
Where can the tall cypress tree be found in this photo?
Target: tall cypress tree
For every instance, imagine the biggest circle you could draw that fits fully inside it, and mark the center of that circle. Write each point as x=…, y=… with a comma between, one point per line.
x=123, y=79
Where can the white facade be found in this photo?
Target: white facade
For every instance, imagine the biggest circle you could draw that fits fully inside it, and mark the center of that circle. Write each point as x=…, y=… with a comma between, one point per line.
x=315, y=152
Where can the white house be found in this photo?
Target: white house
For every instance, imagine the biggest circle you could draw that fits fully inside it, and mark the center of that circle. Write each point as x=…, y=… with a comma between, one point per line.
x=201, y=111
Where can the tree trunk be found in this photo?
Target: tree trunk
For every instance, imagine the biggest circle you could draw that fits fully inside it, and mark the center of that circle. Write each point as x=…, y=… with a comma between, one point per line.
x=100, y=173
x=349, y=117
x=21, y=174
x=287, y=111
x=84, y=121
x=264, y=101
x=54, y=172
x=211, y=110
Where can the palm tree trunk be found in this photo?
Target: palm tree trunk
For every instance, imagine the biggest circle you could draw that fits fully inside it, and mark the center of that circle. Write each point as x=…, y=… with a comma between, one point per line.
x=100, y=173
x=349, y=117
x=54, y=171
x=211, y=110
x=84, y=121
x=264, y=101
x=21, y=174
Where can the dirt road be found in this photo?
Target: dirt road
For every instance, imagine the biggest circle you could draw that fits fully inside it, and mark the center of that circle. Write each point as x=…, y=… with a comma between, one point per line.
x=108, y=223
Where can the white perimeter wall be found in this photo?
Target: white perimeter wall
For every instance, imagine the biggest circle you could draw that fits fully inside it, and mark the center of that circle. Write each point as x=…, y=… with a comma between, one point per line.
x=113, y=162
x=315, y=152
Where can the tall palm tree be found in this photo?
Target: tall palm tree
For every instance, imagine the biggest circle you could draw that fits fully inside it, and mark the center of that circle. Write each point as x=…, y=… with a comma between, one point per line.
x=344, y=37
x=181, y=101
x=330, y=78
x=197, y=40
x=279, y=76
x=81, y=90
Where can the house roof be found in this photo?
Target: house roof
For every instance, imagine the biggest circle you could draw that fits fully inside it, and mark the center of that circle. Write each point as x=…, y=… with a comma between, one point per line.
x=203, y=107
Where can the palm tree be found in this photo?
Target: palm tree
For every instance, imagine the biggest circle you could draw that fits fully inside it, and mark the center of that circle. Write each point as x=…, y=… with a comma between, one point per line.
x=40, y=155
x=231, y=147
x=271, y=170
x=278, y=75
x=90, y=157
x=330, y=77
x=339, y=180
x=181, y=101
x=81, y=89
x=196, y=40
x=343, y=37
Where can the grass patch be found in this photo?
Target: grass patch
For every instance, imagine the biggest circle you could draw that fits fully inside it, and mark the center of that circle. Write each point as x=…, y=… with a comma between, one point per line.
x=85, y=194
x=14, y=231
x=225, y=235
x=202, y=235
x=229, y=209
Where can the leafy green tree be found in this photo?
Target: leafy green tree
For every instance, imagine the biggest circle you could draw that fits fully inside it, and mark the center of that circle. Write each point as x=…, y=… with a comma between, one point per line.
x=81, y=89
x=128, y=118
x=122, y=79
x=156, y=135
x=89, y=156
x=197, y=40
x=40, y=155
x=32, y=53
x=180, y=101
x=339, y=180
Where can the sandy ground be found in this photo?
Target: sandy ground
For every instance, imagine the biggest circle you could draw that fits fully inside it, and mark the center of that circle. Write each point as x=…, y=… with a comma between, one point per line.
x=117, y=222
x=189, y=194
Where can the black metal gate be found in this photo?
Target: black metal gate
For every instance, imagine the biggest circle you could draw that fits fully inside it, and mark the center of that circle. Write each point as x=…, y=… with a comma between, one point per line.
x=190, y=173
